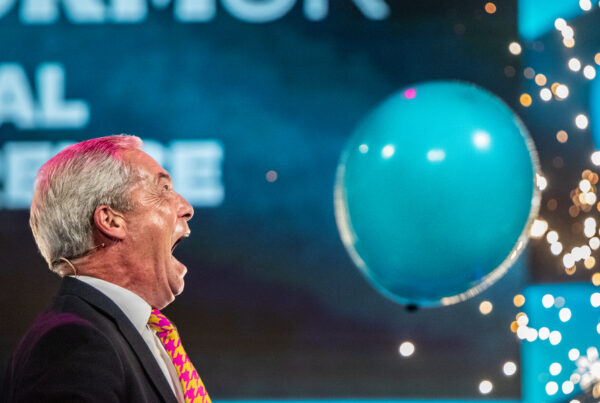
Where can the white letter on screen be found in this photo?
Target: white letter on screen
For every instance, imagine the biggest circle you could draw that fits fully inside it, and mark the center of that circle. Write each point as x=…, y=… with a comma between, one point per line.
x=16, y=99
x=54, y=110
x=196, y=169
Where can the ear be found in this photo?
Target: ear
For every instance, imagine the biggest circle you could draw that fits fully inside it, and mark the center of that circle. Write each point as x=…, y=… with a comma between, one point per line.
x=110, y=222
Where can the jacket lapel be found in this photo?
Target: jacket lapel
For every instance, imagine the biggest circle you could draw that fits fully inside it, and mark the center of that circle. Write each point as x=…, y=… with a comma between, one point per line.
x=138, y=345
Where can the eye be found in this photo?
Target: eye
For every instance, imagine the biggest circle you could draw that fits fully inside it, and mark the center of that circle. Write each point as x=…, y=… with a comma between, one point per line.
x=166, y=187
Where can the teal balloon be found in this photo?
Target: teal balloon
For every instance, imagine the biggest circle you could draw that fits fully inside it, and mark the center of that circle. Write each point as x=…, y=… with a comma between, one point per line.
x=435, y=193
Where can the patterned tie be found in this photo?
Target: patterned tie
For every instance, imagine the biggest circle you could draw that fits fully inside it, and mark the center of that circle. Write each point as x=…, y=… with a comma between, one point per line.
x=193, y=388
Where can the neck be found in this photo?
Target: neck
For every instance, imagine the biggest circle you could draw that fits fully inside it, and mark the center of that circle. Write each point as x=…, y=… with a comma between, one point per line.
x=112, y=265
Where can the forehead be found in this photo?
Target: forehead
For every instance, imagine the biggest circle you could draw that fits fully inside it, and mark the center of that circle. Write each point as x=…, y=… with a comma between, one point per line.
x=146, y=165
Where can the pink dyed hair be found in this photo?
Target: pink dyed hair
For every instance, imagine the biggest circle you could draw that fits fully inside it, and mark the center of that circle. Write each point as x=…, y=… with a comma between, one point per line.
x=70, y=186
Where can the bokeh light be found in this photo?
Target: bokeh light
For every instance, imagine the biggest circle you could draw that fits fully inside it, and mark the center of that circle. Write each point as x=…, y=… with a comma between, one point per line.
x=581, y=121
x=485, y=307
x=406, y=349
x=560, y=24
x=485, y=387
x=540, y=79
x=574, y=64
x=271, y=176
x=538, y=228
x=410, y=93
x=528, y=73
x=564, y=314
x=562, y=91
x=552, y=236
x=509, y=368
x=490, y=8
x=555, y=337
x=519, y=300
x=595, y=300
x=547, y=301
x=589, y=72
x=586, y=5
x=514, y=48
x=551, y=388
x=573, y=354
x=555, y=368
x=545, y=94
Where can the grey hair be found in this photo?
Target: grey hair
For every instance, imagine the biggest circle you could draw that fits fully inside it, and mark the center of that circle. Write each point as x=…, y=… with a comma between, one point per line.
x=68, y=189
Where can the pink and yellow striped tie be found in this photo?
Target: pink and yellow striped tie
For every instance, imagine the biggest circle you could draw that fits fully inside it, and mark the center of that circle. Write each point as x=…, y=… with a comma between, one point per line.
x=193, y=388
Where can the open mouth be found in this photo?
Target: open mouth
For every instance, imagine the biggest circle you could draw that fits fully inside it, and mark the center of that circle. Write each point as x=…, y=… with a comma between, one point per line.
x=181, y=238
x=177, y=243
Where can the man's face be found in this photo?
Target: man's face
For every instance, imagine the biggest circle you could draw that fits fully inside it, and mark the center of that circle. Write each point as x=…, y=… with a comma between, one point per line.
x=154, y=226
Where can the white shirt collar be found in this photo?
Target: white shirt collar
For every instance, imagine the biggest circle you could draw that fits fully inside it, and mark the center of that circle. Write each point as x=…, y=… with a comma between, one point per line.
x=133, y=306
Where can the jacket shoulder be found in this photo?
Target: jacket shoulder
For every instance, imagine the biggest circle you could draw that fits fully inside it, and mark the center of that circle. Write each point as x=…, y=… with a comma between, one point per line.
x=63, y=349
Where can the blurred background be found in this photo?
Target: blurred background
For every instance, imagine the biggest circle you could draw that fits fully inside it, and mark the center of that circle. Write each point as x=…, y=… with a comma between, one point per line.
x=249, y=103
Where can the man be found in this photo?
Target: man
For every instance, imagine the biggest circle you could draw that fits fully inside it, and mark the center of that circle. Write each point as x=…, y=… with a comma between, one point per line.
x=106, y=218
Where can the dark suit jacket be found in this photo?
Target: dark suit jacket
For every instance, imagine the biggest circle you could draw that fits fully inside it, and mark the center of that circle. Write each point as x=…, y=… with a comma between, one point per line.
x=84, y=349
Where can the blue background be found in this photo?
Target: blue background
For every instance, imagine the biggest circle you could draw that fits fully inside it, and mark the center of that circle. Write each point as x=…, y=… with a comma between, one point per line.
x=273, y=306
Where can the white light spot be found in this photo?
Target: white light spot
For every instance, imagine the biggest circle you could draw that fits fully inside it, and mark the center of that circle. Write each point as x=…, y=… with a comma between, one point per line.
x=538, y=228
x=590, y=198
x=544, y=333
x=586, y=252
x=547, y=301
x=567, y=32
x=568, y=260
x=595, y=300
x=363, y=148
x=560, y=24
x=509, y=368
x=573, y=354
x=556, y=248
x=596, y=157
x=581, y=121
x=586, y=5
x=562, y=91
x=555, y=368
x=523, y=320
x=485, y=387
x=585, y=186
x=589, y=72
x=514, y=48
x=481, y=140
x=559, y=302
x=541, y=182
x=589, y=231
x=595, y=243
x=406, y=349
x=564, y=314
x=555, y=337
x=567, y=387
x=532, y=334
x=551, y=388
x=522, y=332
x=545, y=94
x=574, y=64
x=552, y=237
x=436, y=155
x=598, y=328
x=387, y=151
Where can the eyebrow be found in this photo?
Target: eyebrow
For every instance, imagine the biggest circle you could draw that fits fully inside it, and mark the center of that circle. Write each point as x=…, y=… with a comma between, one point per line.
x=163, y=175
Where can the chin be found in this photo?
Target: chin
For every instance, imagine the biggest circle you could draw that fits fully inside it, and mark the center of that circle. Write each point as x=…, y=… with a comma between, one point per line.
x=177, y=286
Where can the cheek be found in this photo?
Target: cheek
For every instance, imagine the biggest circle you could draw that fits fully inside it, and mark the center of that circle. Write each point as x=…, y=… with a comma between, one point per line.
x=152, y=198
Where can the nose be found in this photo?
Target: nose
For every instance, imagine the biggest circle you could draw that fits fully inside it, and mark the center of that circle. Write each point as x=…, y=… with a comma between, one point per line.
x=186, y=211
